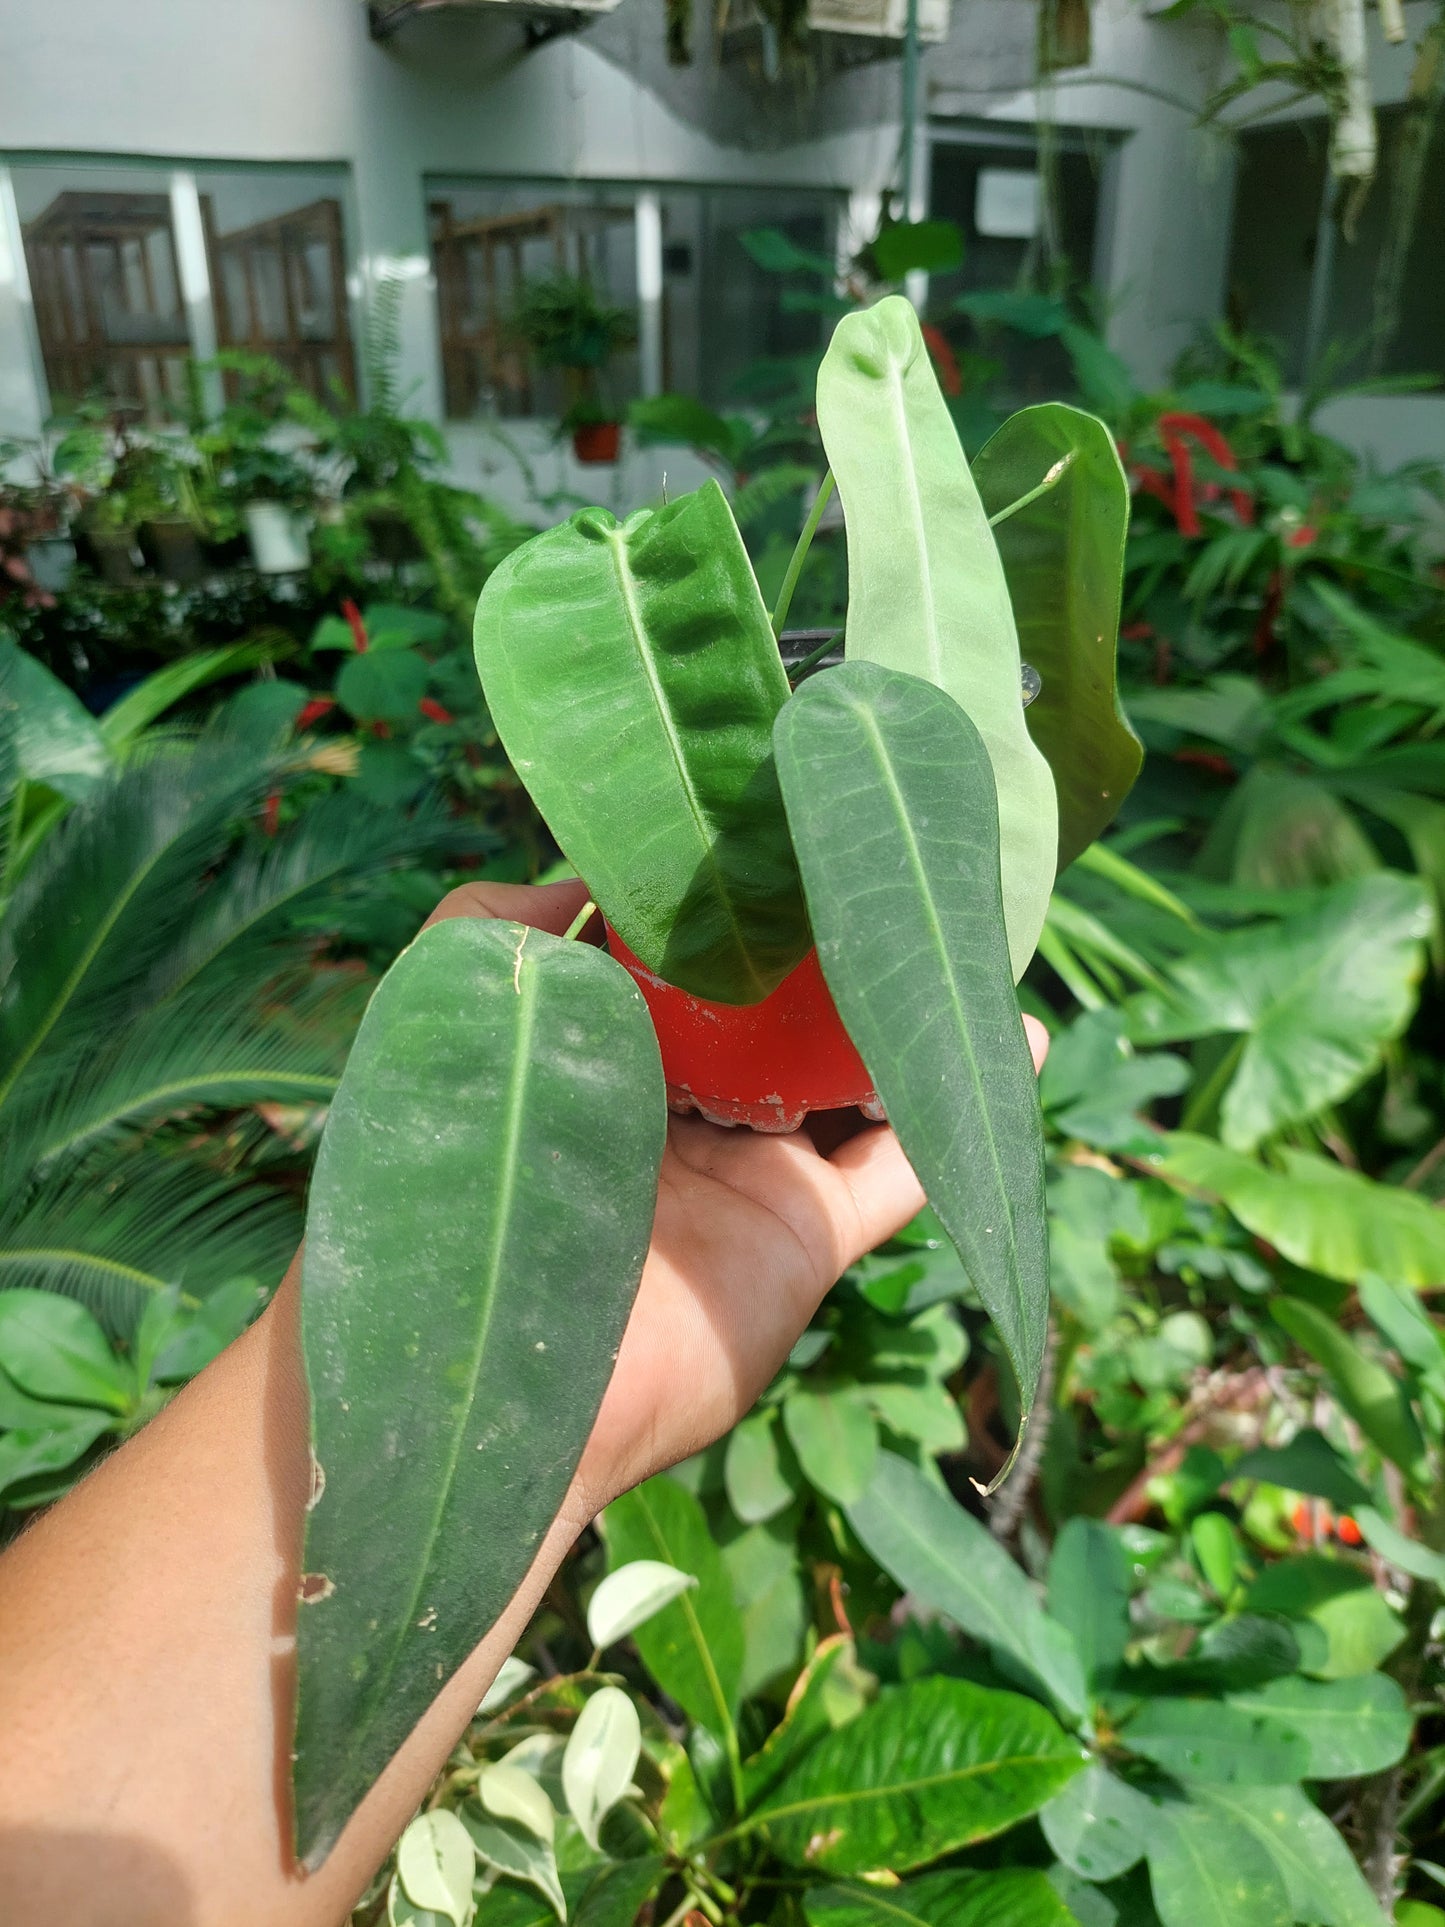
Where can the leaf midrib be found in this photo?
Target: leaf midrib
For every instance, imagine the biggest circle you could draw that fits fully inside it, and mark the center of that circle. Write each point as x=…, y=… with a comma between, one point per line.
x=916, y=524
x=694, y=1624
x=852, y=1796
x=190, y=1090
x=622, y=565
x=89, y=1260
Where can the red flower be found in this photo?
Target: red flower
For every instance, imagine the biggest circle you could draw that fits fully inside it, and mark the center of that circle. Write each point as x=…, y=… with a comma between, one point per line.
x=434, y=711
x=271, y=813
x=358, y=627
x=314, y=710
x=1302, y=537
x=950, y=379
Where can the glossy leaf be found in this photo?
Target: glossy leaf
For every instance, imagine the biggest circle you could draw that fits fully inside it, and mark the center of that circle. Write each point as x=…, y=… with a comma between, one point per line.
x=892, y=812
x=835, y=1437
x=926, y=1770
x=54, y=1348
x=1206, y=1870
x=1063, y=558
x=435, y=1864
x=512, y=1676
x=944, y=1559
x=1350, y=1726
x=632, y=674
x=1339, y=1598
x=1317, y=1214
x=1371, y=1394
x=519, y=1854
x=601, y=1757
x=29, y=1455
x=694, y=1646
x=815, y=1707
x=505, y=1086
x=1313, y=1000
x=757, y=1486
x=1011, y=1897
x=1089, y=1593
x=629, y=1596
x=1308, y=1463
x=1214, y=1740
x=1320, y=1874
x=1098, y=1825
x=616, y=1895
x=511, y=1794
x=926, y=588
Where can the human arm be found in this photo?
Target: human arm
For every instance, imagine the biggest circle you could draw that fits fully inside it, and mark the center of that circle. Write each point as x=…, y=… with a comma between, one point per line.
x=147, y=1623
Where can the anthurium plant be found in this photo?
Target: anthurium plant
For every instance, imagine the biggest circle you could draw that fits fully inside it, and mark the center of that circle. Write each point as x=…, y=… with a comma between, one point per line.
x=498, y=1132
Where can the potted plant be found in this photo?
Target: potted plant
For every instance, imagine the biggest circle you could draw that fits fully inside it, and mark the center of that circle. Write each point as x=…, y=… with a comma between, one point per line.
x=250, y=478
x=875, y=844
x=566, y=327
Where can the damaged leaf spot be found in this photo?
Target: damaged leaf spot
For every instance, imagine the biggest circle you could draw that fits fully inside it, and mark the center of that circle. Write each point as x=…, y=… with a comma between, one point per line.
x=821, y=1842
x=428, y=1620
x=314, y=1586
x=318, y=1483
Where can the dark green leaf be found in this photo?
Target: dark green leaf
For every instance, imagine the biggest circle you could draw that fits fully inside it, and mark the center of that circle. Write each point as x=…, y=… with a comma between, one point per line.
x=54, y=1349
x=1376, y=1400
x=824, y=1696
x=1093, y=1087
x=496, y=1138
x=693, y=1647
x=753, y=1475
x=1203, y=1739
x=1310, y=1464
x=946, y=1560
x=926, y=589
x=925, y=247
x=1063, y=557
x=1098, y=1825
x=1242, y=1650
x=616, y=1895
x=632, y=674
x=23, y=1455
x=1089, y=1593
x=1207, y=1870
x=834, y=1435
x=892, y=811
x=929, y=1768
x=1318, y=1869
x=1350, y=1726
x=1339, y=1598
x=1012, y=1897
x=384, y=685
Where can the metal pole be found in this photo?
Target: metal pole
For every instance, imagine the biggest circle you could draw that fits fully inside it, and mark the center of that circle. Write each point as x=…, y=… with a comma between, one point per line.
x=910, y=105
x=1322, y=278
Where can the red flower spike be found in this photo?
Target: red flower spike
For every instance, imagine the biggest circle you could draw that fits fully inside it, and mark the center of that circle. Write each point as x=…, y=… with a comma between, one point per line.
x=271, y=813
x=434, y=711
x=945, y=361
x=312, y=712
x=358, y=627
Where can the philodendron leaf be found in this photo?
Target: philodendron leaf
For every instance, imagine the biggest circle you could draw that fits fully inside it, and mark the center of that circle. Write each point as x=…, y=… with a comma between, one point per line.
x=1063, y=558
x=491, y=1153
x=927, y=1769
x=892, y=809
x=632, y=674
x=926, y=588
x=1010, y=1897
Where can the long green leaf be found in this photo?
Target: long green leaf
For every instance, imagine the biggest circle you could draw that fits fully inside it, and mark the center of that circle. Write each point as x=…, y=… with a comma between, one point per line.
x=632, y=674
x=926, y=588
x=1318, y=1214
x=1318, y=1869
x=1089, y=1593
x=1206, y=1870
x=492, y=1151
x=891, y=806
x=1350, y=1726
x=1206, y=1739
x=944, y=1559
x=1011, y=1897
x=1063, y=557
x=928, y=1769
x=57, y=742
x=124, y=721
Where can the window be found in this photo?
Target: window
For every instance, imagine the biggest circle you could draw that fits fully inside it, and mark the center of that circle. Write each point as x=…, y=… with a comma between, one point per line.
x=718, y=310
x=101, y=255
x=1272, y=249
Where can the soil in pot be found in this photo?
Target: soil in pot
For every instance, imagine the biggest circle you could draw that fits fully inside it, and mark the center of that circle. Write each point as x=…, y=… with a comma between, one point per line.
x=597, y=441
x=765, y=1065
x=174, y=551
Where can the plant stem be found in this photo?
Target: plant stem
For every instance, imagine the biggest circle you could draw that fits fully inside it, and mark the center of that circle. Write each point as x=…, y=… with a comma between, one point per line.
x=812, y=659
x=580, y=921
x=1202, y=1106
x=1051, y=480
x=800, y=552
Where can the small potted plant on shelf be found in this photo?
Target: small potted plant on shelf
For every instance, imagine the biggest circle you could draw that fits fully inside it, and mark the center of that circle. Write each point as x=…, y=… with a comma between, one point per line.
x=251, y=476
x=567, y=327
x=840, y=875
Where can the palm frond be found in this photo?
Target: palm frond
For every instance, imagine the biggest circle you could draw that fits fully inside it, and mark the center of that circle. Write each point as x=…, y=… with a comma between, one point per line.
x=119, y=1226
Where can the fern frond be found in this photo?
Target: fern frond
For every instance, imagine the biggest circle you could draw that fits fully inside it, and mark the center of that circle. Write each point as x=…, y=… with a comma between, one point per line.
x=767, y=489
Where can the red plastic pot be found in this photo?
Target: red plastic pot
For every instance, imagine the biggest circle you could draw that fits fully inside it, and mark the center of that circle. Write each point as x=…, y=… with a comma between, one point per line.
x=764, y=1065
x=597, y=441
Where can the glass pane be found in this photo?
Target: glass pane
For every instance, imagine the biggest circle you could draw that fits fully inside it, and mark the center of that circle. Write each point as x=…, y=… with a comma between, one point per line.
x=276, y=237
x=102, y=263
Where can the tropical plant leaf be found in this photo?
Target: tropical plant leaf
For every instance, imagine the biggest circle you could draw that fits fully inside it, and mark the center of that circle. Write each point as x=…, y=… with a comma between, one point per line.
x=384, y=685
x=694, y=1646
x=1339, y=1599
x=643, y=731
x=835, y=1437
x=134, y=712
x=1318, y=1869
x=819, y=1703
x=1089, y=1593
x=452, y=1385
x=928, y=1769
x=1063, y=558
x=1207, y=1739
x=926, y=588
x=1093, y=1087
x=1313, y=1000
x=1371, y=1394
x=1207, y=1870
x=28, y=1455
x=601, y=1757
x=891, y=806
x=1308, y=1463
x=1317, y=1214
x=629, y=1596
x=1011, y=1897
x=944, y=1559
x=1098, y=1825
x=54, y=1349
x=1350, y=1726
x=757, y=1486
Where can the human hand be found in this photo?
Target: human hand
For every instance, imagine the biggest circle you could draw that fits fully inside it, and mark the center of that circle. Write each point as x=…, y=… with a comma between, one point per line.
x=751, y=1232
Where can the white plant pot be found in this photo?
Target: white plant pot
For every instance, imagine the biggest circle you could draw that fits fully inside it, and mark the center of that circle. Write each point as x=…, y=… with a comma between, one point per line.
x=279, y=542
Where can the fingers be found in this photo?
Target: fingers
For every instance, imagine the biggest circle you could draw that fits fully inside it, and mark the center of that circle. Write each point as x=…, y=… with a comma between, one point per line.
x=1038, y=1039
x=880, y=1180
x=546, y=906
